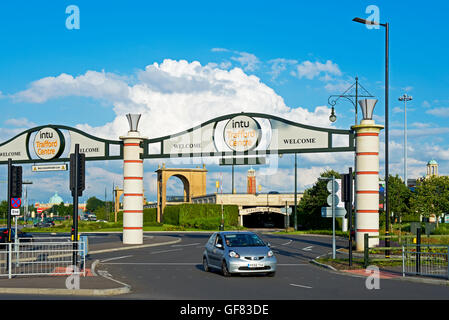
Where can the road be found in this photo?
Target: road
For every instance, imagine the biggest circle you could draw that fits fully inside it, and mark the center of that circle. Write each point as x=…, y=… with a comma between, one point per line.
x=175, y=272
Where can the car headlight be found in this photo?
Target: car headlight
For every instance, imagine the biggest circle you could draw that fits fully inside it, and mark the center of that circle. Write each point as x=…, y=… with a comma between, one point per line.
x=233, y=254
x=270, y=253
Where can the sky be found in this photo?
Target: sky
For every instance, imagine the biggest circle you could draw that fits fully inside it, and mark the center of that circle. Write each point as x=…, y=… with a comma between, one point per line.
x=181, y=63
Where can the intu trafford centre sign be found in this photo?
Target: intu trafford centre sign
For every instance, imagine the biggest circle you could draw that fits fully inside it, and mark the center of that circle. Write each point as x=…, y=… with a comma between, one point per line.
x=229, y=135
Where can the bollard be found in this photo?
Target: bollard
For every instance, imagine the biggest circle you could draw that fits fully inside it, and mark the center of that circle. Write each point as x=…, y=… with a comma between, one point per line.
x=365, y=250
x=9, y=260
x=418, y=250
x=447, y=261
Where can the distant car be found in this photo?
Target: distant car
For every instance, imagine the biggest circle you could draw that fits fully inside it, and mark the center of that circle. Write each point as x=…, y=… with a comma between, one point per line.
x=268, y=224
x=273, y=192
x=92, y=217
x=238, y=252
x=23, y=236
x=43, y=224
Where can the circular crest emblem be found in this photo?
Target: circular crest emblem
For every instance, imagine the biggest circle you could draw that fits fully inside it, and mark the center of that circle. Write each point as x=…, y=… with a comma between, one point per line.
x=242, y=133
x=48, y=143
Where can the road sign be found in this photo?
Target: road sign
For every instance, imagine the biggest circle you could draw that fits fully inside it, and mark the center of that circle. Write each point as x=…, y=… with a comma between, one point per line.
x=329, y=186
x=39, y=210
x=16, y=203
x=15, y=212
x=51, y=167
x=329, y=199
x=326, y=212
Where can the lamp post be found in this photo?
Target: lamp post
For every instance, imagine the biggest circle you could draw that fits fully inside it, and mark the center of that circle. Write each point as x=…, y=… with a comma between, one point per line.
x=387, y=206
x=352, y=94
x=25, y=212
x=295, y=220
x=405, y=98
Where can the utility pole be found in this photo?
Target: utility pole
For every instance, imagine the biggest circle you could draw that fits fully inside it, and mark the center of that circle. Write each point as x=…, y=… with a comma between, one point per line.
x=296, y=196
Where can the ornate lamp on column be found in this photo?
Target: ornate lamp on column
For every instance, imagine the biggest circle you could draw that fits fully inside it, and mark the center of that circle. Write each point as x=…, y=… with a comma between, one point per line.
x=367, y=175
x=132, y=183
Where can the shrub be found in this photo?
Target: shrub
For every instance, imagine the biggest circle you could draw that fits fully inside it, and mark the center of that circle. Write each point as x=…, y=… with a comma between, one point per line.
x=203, y=216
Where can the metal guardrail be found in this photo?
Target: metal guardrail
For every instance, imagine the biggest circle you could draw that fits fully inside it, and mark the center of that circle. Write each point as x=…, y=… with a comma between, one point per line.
x=51, y=258
x=417, y=258
x=425, y=260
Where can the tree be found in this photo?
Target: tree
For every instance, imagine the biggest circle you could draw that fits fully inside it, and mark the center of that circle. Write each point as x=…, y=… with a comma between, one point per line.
x=93, y=204
x=309, y=208
x=431, y=197
x=399, y=197
x=4, y=208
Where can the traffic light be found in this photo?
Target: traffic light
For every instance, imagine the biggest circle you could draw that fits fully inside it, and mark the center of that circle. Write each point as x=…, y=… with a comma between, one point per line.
x=16, y=182
x=80, y=176
x=346, y=188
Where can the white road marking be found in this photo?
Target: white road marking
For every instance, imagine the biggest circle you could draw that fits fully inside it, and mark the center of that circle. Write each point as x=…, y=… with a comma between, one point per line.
x=291, y=264
x=162, y=251
x=157, y=263
x=115, y=258
x=287, y=243
x=308, y=248
x=301, y=286
x=185, y=245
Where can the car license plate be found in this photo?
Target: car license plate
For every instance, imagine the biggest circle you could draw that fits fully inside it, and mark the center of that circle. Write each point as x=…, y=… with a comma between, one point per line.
x=256, y=265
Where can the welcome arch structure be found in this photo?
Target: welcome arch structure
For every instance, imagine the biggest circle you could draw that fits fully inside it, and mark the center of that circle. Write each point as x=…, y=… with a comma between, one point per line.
x=229, y=137
x=193, y=180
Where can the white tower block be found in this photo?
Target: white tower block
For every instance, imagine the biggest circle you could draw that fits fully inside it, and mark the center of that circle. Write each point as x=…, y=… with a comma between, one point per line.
x=367, y=175
x=132, y=183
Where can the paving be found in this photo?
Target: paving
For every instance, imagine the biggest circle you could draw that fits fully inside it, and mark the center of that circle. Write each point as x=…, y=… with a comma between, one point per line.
x=92, y=282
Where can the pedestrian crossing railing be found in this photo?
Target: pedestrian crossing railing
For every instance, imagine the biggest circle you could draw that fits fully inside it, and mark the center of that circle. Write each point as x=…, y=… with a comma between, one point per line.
x=43, y=257
x=425, y=260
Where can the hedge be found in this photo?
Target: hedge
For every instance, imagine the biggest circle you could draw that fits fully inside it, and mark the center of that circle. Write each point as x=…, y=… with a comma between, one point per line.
x=149, y=217
x=203, y=216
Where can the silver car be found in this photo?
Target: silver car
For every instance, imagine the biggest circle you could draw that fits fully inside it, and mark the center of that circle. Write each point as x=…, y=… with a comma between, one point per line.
x=238, y=252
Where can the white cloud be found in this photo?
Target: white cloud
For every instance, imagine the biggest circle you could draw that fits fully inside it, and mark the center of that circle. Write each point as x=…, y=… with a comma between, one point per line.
x=439, y=112
x=425, y=104
x=398, y=110
x=171, y=96
x=278, y=65
x=311, y=70
x=219, y=50
x=248, y=61
x=420, y=125
x=99, y=85
x=20, y=122
x=337, y=87
x=407, y=89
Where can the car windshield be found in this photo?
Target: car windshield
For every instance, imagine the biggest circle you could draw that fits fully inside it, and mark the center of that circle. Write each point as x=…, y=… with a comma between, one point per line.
x=243, y=240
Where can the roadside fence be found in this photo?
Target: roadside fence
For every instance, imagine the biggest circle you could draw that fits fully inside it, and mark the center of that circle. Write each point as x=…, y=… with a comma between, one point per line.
x=42, y=256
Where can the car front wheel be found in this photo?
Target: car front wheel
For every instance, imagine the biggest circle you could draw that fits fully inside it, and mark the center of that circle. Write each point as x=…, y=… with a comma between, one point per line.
x=224, y=269
x=205, y=264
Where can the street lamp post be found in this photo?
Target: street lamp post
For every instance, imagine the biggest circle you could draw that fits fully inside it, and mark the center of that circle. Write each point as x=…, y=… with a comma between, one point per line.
x=295, y=219
x=387, y=206
x=405, y=98
x=353, y=97
x=25, y=211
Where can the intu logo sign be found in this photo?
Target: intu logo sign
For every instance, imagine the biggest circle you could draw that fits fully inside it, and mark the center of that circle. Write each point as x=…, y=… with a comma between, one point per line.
x=48, y=143
x=242, y=133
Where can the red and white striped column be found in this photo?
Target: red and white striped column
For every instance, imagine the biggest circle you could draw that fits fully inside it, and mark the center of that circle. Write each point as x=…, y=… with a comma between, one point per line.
x=132, y=188
x=367, y=184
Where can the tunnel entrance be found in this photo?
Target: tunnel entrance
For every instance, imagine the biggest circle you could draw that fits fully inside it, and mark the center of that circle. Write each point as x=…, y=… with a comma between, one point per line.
x=264, y=220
